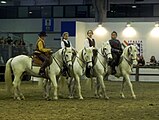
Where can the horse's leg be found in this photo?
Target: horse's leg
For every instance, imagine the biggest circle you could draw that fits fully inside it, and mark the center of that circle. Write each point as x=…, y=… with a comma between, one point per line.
x=71, y=85
x=44, y=88
x=48, y=89
x=19, y=90
x=79, y=86
x=97, y=87
x=130, y=85
x=15, y=85
x=122, y=88
x=54, y=82
x=100, y=78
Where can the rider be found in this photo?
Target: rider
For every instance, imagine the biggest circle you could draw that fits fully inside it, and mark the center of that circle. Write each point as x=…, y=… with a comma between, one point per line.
x=42, y=52
x=90, y=42
x=65, y=42
x=116, y=49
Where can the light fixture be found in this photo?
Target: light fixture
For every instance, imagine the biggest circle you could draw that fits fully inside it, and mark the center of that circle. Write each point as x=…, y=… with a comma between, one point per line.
x=30, y=12
x=3, y=2
x=100, y=30
x=129, y=31
x=134, y=6
x=156, y=24
x=154, y=32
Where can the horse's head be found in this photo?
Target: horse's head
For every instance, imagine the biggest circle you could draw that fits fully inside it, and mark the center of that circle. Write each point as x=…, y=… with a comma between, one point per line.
x=132, y=53
x=87, y=54
x=106, y=51
x=67, y=54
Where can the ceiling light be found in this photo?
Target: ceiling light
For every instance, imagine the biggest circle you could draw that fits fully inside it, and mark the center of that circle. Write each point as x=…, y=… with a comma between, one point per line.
x=100, y=30
x=134, y=6
x=3, y=2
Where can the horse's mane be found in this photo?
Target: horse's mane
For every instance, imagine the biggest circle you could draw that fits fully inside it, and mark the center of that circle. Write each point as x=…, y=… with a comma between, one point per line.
x=125, y=51
x=57, y=54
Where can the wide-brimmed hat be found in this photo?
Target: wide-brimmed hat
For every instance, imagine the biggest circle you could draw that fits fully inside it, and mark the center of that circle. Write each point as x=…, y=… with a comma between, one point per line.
x=42, y=34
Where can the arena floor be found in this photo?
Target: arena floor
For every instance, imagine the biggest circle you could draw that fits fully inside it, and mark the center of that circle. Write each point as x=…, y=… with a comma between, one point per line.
x=35, y=107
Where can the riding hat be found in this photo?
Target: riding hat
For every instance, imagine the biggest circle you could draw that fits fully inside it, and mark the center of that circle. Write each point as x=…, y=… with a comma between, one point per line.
x=42, y=33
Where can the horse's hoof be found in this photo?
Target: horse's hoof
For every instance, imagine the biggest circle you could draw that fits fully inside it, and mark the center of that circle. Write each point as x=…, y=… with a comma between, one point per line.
x=81, y=98
x=107, y=98
x=48, y=99
x=122, y=96
x=134, y=96
x=18, y=98
x=22, y=98
x=70, y=97
x=55, y=98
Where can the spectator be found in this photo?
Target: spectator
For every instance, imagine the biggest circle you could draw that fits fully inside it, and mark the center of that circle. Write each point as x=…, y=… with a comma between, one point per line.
x=153, y=60
x=141, y=61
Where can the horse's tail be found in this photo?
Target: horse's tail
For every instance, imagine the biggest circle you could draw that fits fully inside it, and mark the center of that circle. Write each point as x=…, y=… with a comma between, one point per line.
x=8, y=75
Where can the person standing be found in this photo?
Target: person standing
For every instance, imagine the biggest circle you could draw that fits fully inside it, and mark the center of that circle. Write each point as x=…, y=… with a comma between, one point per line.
x=116, y=49
x=42, y=52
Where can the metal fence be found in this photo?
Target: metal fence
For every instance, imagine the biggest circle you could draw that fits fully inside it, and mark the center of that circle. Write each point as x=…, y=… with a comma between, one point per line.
x=8, y=51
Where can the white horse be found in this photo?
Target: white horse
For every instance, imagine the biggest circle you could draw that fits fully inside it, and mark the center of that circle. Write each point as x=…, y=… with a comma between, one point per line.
x=23, y=64
x=83, y=59
x=127, y=60
x=100, y=69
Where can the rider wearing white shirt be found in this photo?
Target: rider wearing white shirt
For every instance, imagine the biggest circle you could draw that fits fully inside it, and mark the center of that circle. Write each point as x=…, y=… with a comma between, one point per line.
x=89, y=42
x=65, y=42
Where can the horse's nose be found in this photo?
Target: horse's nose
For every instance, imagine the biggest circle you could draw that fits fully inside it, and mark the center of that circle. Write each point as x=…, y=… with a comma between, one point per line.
x=110, y=59
x=89, y=66
x=69, y=65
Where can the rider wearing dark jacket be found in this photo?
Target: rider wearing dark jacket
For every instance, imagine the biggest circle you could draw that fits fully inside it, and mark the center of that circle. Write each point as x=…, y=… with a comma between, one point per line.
x=116, y=50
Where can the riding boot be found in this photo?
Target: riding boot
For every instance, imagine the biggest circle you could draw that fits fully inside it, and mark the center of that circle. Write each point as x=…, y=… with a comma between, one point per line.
x=113, y=70
x=42, y=69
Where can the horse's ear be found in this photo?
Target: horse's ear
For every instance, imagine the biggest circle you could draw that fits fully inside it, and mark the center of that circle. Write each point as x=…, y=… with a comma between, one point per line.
x=130, y=49
x=85, y=48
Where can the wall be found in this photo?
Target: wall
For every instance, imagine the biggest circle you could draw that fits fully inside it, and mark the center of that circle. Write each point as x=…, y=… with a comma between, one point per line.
x=143, y=29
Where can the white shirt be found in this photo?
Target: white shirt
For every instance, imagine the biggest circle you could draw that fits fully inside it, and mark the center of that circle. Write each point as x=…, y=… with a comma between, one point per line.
x=63, y=44
x=86, y=43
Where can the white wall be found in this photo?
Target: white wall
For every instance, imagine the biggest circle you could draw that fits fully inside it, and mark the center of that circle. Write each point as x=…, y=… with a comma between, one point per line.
x=143, y=29
x=80, y=35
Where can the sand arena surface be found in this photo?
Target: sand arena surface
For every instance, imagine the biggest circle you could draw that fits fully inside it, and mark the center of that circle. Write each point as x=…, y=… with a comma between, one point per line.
x=35, y=107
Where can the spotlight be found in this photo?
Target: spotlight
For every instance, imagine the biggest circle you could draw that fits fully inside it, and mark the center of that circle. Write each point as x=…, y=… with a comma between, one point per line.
x=129, y=31
x=100, y=30
x=3, y=2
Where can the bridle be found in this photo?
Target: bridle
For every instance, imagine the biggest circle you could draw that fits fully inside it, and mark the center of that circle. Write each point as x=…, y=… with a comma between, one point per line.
x=64, y=59
x=130, y=55
x=104, y=54
x=83, y=60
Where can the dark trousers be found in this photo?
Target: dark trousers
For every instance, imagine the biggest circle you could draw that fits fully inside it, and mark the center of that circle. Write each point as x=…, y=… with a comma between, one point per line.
x=115, y=60
x=45, y=60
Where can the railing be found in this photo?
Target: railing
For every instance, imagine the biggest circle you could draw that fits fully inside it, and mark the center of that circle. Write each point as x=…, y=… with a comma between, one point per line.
x=8, y=51
x=138, y=72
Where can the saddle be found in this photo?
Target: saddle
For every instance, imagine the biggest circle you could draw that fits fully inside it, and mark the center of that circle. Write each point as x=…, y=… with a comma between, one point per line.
x=36, y=61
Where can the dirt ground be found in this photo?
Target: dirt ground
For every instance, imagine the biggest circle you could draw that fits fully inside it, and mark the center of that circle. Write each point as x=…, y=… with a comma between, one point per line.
x=35, y=107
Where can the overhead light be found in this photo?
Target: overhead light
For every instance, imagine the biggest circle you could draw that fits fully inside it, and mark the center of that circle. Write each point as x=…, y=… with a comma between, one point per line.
x=30, y=12
x=134, y=6
x=157, y=24
x=3, y=2
x=100, y=30
x=128, y=24
x=154, y=32
x=129, y=31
